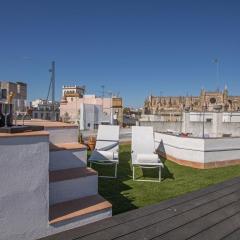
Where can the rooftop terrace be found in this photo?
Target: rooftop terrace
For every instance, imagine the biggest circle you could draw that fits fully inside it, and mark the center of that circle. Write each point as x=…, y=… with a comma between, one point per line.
x=46, y=123
x=210, y=213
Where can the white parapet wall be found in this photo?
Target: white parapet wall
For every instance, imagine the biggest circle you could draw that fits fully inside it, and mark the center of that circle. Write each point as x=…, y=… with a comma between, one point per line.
x=59, y=132
x=63, y=135
x=199, y=152
x=180, y=148
x=24, y=160
x=223, y=151
x=232, y=117
x=212, y=124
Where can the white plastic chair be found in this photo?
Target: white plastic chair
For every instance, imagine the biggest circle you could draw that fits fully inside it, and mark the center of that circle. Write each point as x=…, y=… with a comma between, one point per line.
x=143, y=151
x=106, y=151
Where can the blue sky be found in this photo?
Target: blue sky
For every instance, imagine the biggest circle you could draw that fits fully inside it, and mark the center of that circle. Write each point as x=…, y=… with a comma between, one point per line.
x=132, y=47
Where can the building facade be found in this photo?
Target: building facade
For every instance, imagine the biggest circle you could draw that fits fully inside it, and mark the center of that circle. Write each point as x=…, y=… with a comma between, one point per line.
x=199, y=124
x=90, y=110
x=19, y=91
x=44, y=109
x=73, y=91
x=207, y=101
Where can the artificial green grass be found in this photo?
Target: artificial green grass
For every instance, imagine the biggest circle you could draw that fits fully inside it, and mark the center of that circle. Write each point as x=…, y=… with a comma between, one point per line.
x=126, y=194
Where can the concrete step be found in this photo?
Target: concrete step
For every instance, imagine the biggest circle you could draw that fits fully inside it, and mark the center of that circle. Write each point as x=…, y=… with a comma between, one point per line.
x=67, y=155
x=70, y=184
x=88, y=209
x=66, y=146
x=62, y=134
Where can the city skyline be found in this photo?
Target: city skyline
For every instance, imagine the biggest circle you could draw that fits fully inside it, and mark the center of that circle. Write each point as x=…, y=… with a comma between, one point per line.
x=135, y=48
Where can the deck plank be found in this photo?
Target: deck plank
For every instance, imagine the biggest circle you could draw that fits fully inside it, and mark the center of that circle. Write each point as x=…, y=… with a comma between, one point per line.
x=222, y=230
x=233, y=235
x=158, y=216
x=201, y=224
x=171, y=224
x=163, y=218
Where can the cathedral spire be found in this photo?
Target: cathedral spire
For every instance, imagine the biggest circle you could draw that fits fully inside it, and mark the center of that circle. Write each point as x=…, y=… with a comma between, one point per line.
x=225, y=92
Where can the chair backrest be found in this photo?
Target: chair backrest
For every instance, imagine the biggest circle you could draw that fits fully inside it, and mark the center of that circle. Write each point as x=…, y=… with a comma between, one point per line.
x=108, y=138
x=142, y=140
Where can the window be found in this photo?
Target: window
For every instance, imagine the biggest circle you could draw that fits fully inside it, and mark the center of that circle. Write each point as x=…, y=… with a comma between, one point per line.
x=212, y=100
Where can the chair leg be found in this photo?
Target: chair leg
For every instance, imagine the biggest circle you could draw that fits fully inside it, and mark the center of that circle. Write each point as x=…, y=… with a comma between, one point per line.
x=141, y=180
x=116, y=166
x=159, y=174
x=133, y=173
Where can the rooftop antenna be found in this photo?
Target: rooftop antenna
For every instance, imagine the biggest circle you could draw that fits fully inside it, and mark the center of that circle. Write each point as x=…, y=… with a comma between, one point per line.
x=110, y=93
x=52, y=83
x=102, y=86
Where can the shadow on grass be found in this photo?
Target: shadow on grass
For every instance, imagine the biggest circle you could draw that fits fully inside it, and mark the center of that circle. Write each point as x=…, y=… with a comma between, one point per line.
x=115, y=190
x=153, y=173
x=166, y=174
x=112, y=189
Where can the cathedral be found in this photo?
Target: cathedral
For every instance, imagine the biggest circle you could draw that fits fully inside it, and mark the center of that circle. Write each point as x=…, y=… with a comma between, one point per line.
x=207, y=101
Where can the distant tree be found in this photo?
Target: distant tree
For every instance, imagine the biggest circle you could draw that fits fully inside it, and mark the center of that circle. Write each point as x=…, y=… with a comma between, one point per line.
x=126, y=110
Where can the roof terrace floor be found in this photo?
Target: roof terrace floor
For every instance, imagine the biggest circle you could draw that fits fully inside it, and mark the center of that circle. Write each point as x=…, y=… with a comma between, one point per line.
x=46, y=123
x=210, y=213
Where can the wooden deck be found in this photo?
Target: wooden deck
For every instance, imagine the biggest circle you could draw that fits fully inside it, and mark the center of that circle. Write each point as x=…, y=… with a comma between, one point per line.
x=211, y=213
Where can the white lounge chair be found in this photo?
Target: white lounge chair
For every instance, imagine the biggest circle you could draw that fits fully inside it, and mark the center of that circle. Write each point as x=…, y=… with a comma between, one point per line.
x=107, y=147
x=143, y=151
